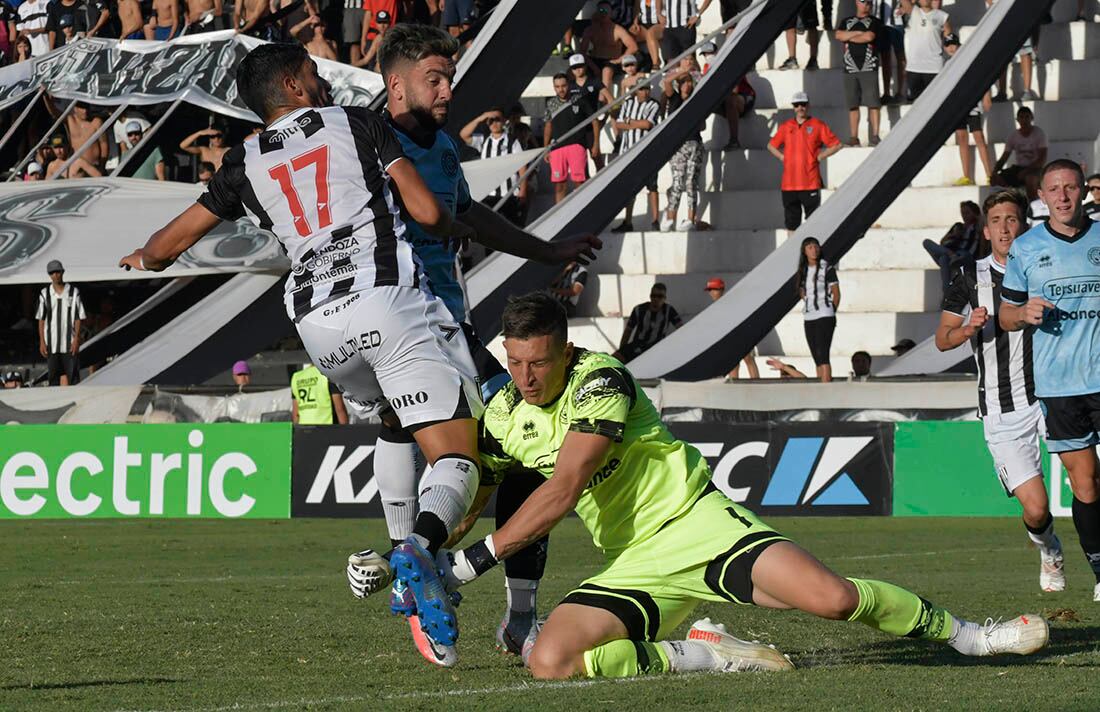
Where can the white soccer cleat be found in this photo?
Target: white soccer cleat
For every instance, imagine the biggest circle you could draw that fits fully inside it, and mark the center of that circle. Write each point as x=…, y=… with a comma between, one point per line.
x=1020, y=636
x=1052, y=571
x=735, y=655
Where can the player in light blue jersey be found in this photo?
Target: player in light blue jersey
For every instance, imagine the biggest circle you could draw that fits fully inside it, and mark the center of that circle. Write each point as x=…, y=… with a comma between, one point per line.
x=1053, y=282
x=418, y=70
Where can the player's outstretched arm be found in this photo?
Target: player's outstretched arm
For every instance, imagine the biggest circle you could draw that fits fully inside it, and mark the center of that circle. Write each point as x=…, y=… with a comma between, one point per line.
x=172, y=240
x=581, y=454
x=497, y=233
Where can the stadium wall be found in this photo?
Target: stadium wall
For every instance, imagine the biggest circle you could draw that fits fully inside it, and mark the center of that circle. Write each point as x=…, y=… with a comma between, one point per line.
x=276, y=471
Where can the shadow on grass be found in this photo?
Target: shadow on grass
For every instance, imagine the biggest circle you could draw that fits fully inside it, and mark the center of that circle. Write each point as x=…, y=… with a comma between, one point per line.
x=1064, y=641
x=89, y=683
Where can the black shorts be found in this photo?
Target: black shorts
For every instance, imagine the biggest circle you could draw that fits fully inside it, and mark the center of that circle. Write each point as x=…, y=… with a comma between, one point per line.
x=971, y=123
x=750, y=102
x=63, y=364
x=806, y=19
x=675, y=41
x=819, y=335
x=729, y=8
x=1073, y=422
x=918, y=83
x=797, y=201
x=633, y=350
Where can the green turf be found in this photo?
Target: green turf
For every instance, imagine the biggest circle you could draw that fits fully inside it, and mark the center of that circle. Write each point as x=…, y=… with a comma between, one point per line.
x=256, y=615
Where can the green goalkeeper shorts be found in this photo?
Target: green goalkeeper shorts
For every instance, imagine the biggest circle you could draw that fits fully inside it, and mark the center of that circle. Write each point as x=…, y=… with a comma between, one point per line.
x=707, y=554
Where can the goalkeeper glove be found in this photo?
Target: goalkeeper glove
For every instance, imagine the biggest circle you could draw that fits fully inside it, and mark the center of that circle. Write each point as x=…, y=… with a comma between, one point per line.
x=368, y=572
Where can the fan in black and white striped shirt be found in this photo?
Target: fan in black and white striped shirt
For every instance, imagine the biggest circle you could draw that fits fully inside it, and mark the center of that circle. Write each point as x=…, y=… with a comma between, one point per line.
x=492, y=145
x=59, y=313
x=681, y=19
x=637, y=117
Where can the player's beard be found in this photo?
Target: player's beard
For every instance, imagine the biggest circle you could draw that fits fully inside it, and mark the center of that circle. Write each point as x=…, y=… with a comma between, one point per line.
x=321, y=96
x=430, y=118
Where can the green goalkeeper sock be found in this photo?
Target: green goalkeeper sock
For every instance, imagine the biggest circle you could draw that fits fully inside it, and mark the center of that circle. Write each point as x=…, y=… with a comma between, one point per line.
x=625, y=658
x=894, y=610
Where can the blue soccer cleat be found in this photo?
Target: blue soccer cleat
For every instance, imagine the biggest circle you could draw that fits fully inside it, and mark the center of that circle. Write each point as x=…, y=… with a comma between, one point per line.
x=416, y=568
x=402, y=601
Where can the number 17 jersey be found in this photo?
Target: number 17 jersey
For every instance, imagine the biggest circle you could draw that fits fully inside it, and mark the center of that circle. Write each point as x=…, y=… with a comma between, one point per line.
x=316, y=178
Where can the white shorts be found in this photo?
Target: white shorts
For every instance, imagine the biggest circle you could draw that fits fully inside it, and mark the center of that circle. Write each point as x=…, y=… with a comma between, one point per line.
x=1013, y=440
x=395, y=348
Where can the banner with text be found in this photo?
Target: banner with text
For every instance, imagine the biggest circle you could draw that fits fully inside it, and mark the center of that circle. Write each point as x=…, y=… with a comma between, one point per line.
x=201, y=69
x=791, y=468
x=128, y=471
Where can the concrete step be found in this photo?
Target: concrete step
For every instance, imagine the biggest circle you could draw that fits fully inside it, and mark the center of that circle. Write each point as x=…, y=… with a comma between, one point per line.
x=748, y=169
x=738, y=251
x=914, y=208
x=1068, y=120
x=914, y=290
x=874, y=332
x=1055, y=80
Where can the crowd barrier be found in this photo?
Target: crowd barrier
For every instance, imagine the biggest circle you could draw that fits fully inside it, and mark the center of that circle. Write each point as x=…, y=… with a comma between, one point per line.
x=276, y=470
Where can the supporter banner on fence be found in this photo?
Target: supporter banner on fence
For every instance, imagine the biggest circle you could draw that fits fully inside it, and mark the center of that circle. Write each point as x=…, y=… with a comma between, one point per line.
x=262, y=407
x=75, y=404
x=943, y=469
x=799, y=468
x=783, y=469
x=89, y=224
x=201, y=69
x=141, y=471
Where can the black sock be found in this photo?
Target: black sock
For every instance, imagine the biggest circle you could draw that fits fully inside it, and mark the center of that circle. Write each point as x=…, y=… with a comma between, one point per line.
x=1086, y=517
x=432, y=530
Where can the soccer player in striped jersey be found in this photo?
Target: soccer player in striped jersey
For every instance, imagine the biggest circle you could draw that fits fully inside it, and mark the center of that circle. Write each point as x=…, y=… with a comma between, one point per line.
x=326, y=181
x=418, y=70
x=1009, y=409
x=1052, y=282
x=670, y=537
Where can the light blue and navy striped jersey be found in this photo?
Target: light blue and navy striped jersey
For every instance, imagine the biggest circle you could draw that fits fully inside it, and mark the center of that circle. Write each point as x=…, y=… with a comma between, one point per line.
x=440, y=168
x=1066, y=272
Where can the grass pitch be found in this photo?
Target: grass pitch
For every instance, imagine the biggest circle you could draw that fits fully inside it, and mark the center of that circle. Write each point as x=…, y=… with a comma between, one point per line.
x=140, y=615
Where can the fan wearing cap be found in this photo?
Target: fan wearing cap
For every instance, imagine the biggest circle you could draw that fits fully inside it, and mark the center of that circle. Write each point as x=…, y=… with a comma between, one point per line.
x=373, y=32
x=61, y=151
x=80, y=125
x=630, y=73
x=858, y=34
x=801, y=144
x=152, y=168
x=242, y=375
x=597, y=94
x=903, y=346
x=716, y=289
x=735, y=105
x=34, y=171
x=606, y=43
x=60, y=313
x=12, y=379
x=637, y=117
x=213, y=151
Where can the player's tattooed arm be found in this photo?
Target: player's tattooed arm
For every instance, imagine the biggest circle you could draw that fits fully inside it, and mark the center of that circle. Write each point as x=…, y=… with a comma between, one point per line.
x=172, y=240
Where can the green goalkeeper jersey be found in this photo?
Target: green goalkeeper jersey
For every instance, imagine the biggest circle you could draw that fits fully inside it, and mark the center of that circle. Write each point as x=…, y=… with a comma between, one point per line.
x=649, y=477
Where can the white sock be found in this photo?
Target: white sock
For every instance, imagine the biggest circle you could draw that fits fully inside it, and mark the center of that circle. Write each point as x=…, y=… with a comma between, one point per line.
x=967, y=638
x=1045, y=540
x=395, y=473
x=448, y=490
x=521, y=594
x=688, y=655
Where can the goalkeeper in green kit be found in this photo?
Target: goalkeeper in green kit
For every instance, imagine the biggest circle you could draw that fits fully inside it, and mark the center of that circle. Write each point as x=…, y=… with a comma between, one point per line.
x=670, y=537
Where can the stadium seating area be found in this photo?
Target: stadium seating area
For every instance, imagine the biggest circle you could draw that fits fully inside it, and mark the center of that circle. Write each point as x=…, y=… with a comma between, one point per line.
x=891, y=288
